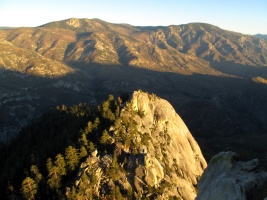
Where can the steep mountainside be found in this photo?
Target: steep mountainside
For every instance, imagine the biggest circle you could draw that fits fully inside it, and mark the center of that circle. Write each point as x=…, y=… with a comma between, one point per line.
x=216, y=79
x=168, y=162
x=188, y=48
x=134, y=150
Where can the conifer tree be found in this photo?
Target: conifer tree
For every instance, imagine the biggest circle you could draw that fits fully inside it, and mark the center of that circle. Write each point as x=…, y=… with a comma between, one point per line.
x=105, y=137
x=28, y=188
x=72, y=158
x=54, y=180
x=117, y=111
x=96, y=123
x=61, y=164
x=91, y=147
x=85, y=189
x=84, y=140
x=114, y=167
x=83, y=152
x=54, y=175
x=36, y=174
x=49, y=164
x=89, y=127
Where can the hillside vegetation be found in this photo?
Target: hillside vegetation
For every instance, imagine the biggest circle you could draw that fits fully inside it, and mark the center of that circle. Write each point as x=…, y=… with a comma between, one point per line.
x=140, y=149
x=215, y=79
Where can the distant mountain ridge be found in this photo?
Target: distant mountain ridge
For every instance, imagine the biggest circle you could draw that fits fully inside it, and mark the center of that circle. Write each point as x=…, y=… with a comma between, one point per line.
x=191, y=48
x=4, y=27
x=200, y=68
x=261, y=36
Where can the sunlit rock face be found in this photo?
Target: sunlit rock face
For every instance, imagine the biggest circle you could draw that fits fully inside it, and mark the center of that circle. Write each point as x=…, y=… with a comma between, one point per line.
x=172, y=155
x=226, y=177
x=161, y=160
x=73, y=22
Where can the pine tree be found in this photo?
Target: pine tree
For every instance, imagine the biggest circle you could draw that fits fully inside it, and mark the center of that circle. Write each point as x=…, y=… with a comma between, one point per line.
x=96, y=123
x=36, y=174
x=89, y=127
x=54, y=175
x=110, y=98
x=61, y=164
x=28, y=188
x=49, y=164
x=85, y=188
x=72, y=158
x=83, y=152
x=91, y=147
x=114, y=167
x=84, y=140
x=72, y=194
x=54, y=180
x=117, y=112
x=105, y=138
x=105, y=106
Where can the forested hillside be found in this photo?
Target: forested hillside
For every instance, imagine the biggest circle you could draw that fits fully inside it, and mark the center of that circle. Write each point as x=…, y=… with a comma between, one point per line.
x=48, y=152
x=215, y=79
x=139, y=149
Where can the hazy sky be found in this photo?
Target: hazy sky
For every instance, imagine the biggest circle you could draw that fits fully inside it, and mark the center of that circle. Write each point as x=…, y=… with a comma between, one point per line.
x=245, y=16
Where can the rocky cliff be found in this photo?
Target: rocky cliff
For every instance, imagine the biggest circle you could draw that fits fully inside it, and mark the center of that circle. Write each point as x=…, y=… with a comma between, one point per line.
x=226, y=177
x=160, y=157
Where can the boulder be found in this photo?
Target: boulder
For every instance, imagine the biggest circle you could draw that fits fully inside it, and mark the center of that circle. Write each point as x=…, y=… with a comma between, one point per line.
x=226, y=177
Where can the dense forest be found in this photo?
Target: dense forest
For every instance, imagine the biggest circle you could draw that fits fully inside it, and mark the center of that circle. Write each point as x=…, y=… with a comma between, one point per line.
x=42, y=162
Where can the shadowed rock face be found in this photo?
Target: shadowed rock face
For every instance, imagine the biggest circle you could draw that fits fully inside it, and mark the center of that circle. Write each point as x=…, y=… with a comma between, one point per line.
x=226, y=177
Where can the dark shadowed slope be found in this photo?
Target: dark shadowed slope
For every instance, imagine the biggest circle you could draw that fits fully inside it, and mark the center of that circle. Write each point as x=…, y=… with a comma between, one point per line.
x=215, y=79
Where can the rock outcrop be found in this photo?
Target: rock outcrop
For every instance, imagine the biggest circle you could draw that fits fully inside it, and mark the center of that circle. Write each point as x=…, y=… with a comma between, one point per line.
x=226, y=177
x=172, y=155
x=160, y=157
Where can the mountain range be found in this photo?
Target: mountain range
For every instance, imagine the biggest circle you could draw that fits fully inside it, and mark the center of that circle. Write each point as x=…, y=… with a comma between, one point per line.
x=261, y=36
x=215, y=79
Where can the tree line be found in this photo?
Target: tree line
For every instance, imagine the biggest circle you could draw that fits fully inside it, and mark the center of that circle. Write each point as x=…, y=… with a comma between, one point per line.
x=39, y=163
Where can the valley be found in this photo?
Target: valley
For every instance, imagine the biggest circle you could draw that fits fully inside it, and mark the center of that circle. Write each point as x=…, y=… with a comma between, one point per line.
x=215, y=79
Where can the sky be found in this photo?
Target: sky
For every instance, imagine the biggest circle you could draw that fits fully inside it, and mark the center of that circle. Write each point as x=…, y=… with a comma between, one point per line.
x=244, y=16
